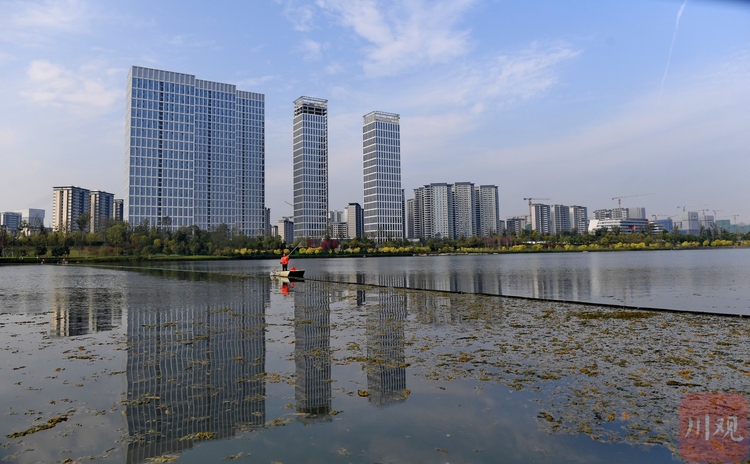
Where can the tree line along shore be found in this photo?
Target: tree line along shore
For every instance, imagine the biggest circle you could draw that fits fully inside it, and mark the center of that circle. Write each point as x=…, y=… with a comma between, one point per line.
x=121, y=241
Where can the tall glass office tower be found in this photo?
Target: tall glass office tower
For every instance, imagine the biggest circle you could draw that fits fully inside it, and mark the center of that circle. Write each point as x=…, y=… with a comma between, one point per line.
x=381, y=149
x=310, y=167
x=195, y=153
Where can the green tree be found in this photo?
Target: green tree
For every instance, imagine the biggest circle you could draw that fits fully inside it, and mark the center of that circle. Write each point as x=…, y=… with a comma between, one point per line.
x=117, y=236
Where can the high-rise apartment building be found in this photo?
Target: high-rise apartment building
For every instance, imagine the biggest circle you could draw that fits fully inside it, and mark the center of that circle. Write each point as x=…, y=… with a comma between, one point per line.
x=433, y=211
x=117, y=210
x=579, y=219
x=195, y=152
x=286, y=230
x=410, y=210
x=442, y=210
x=488, y=211
x=540, y=218
x=559, y=219
x=355, y=220
x=461, y=209
x=310, y=167
x=384, y=202
x=464, y=210
x=102, y=207
x=68, y=203
x=515, y=225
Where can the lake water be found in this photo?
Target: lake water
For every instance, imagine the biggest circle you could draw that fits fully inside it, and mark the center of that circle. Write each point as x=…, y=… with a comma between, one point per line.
x=714, y=281
x=206, y=361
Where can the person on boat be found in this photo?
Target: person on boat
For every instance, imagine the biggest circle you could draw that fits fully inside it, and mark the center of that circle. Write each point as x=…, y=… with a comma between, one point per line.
x=284, y=262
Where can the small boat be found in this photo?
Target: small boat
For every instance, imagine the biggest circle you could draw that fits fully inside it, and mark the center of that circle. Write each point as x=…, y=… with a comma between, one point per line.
x=290, y=274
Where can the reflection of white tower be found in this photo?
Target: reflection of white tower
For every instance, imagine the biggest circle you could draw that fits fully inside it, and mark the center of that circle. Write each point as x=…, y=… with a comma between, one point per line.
x=312, y=351
x=386, y=372
x=81, y=311
x=195, y=369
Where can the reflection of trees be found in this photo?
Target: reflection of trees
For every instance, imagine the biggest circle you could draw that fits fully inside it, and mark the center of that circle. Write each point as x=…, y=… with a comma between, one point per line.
x=386, y=368
x=312, y=351
x=195, y=372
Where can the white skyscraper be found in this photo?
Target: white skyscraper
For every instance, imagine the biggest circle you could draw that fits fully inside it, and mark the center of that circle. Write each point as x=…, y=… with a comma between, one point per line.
x=559, y=219
x=68, y=203
x=579, y=219
x=540, y=219
x=489, y=211
x=310, y=167
x=384, y=202
x=195, y=152
x=464, y=210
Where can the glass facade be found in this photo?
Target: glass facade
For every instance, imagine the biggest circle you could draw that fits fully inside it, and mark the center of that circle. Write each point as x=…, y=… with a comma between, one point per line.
x=384, y=198
x=195, y=153
x=310, y=167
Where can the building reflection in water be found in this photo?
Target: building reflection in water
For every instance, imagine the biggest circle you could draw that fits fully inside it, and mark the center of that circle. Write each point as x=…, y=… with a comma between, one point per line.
x=312, y=352
x=195, y=367
x=386, y=369
x=81, y=311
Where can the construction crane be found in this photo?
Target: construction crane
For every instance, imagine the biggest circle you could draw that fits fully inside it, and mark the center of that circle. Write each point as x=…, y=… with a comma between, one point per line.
x=619, y=199
x=689, y=206
x=530, y=200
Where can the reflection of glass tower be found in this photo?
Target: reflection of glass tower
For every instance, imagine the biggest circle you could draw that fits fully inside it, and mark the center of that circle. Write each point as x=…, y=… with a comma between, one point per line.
x=195, y=370
x=310, y=167
x=312, y=352
x=81, y=311
x=386, y=371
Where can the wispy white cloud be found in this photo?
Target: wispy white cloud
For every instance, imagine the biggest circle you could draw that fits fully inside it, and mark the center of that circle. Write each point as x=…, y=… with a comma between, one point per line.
x=32, y=23
x=404, y=35
x=300, y=15
x=176, y=40
x=311, y=50
x=83, y=91
x=494, y=81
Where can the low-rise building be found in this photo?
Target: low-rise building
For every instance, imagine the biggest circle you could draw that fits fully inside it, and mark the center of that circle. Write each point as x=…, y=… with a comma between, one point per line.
x=622, y=226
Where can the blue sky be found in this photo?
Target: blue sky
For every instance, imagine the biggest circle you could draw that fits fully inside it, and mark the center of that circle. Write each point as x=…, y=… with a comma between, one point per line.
x=577, y=101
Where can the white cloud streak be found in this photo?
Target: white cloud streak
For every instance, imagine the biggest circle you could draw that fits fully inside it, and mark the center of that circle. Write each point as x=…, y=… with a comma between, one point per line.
x=34, y=23
x=671, y=47
x=403, y=36
x=301, y=16
x=311, y=50
x=82, y=91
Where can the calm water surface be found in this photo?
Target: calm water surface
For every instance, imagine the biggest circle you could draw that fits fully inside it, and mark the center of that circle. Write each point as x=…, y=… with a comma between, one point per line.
x=198, y=362
x=716, y=281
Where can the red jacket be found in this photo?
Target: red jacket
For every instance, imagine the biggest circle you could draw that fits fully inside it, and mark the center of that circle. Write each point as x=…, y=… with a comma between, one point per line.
x=285, y=259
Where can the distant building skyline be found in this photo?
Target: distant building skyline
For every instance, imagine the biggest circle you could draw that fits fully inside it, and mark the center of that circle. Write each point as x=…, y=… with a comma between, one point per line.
x=460, y=209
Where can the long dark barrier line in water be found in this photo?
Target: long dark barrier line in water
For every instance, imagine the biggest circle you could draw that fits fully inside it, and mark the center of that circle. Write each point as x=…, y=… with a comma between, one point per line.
x=517, y=297
x=531, y=298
